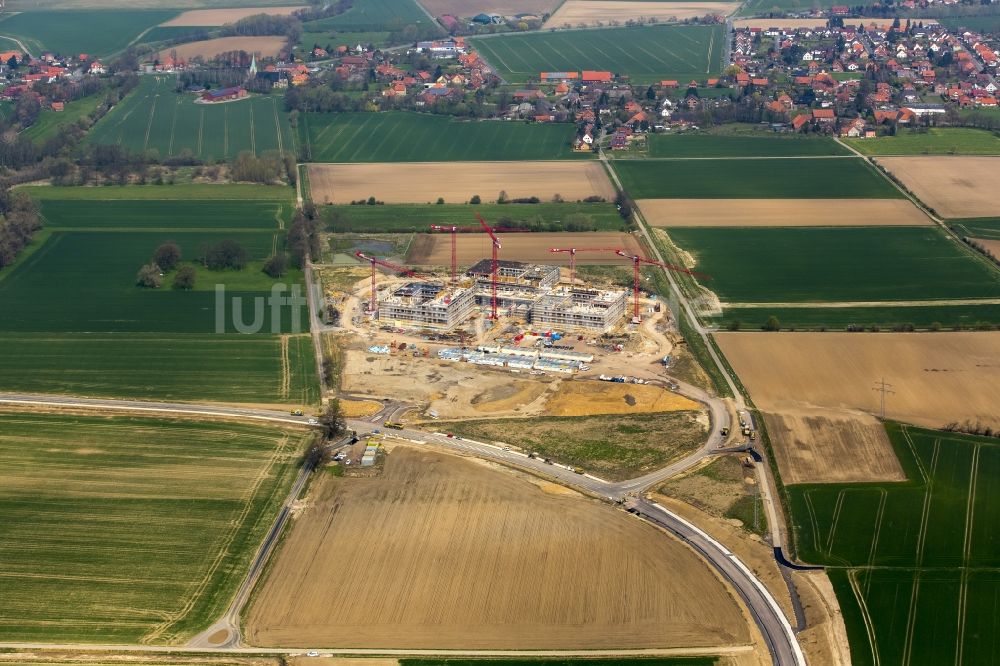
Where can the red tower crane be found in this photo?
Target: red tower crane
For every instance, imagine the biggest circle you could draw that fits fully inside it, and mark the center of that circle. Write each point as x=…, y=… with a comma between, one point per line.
x=572, y=257
x=395, y=268
x=455, y=230
x=494, y=267
x=636, y=260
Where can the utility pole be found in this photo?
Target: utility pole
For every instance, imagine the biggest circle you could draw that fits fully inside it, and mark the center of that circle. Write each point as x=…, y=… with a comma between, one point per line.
x=883, y=388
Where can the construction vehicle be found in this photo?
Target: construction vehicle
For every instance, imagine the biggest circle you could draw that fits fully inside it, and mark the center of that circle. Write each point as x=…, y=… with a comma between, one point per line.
x=724, y=432
x=392, y=425
x=746, y=431
x=578, y=470
x=753, y=435
x=296, y=412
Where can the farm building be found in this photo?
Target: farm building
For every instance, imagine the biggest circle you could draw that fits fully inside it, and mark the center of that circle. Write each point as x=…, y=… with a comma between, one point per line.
x=223, y=94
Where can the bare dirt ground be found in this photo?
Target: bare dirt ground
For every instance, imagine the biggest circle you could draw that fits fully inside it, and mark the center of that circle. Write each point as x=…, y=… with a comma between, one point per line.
x=824, y=640
x=586, y=398
x=468, y=8
x=938, y=378
x=825, y=446
x=435, y=249
x=600, y=12
x=212, y=17
x=463, y=391
x=445, y=552
x=992, y=246
x=780, y=213
x=457, y=182
x=819, y=22
x=952, y=186
x=208, y=48
x=354, y=409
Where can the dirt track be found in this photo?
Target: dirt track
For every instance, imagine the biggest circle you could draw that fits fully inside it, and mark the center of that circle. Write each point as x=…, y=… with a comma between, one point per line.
x=435, y=249
x=952, y=186
x=266, y=46
x=594, y=12
x=938, y=377
x=781, y=213
x=457, y=182
x=445, y=552
x=211, y=17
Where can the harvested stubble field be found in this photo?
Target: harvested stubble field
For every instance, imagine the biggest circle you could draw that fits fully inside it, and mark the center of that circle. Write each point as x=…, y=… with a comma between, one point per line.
x=780, y=213
x=573, y=13
x=914, y=564
x=648, y=54
x=456, y=182
x=212, y=17
x=827, y=446
x=952, y=186
x=435, y=249
x=445, y=552
x=938, y=378
x=268, y=47
x=125, y=530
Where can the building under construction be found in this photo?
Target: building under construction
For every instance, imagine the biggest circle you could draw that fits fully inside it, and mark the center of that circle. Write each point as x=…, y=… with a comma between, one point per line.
x=529, y=292
x=426, y=304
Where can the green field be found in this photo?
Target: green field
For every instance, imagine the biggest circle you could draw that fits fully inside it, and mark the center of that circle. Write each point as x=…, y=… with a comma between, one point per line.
x=335, y=38
x=711, y=145
x=163, y=33
x=748, y=178
x=50, y=123
x=416, y=137
x=816, y=264
x=884, y=316
x=121, y=530
x=986, y=228
x=187, y=192
x=648, y=54
x=978, y=23
x=74, y=321
x=933, y=141
x=154, y=117
x=921, y=556
x=100, y=33
x=410, y=219
x=374, y=16
x=764, y=7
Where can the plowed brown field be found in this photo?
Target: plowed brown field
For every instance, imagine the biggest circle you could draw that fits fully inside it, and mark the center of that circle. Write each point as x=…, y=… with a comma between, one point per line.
x=593, y=12
x=210, y=17
x=781, y=213
x=444, y=552
x=209, y=48
x=937, y=377
x=952, y=186
x=424, y=182
x=820, y=446
x=435, y=249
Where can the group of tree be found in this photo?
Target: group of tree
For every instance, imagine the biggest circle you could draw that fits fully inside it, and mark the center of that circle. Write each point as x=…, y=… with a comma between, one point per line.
x=227, y=254
x=269, y=168
x=166, y=258
x=303, y=239
x=19, y=220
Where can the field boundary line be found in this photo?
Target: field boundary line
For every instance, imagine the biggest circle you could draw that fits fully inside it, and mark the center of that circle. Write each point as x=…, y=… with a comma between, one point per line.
x=852, y=578
x=963, y=588
x=834, y=520
x=201, y=130
x=911, y=617
x=173, y=127
x=286, y=373
x=225, y=131
x=277, y=125
x=253, y=140
x=879, y=515
x=812, y=519
x=149, y=125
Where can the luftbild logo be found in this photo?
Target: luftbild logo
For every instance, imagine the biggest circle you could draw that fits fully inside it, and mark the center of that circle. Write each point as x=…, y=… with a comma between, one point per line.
x=283, y=298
